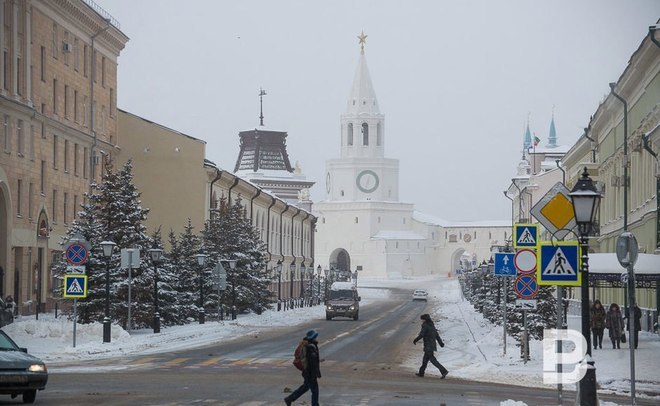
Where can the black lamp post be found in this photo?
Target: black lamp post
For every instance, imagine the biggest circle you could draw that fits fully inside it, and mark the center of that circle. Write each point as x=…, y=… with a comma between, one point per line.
x=232, y=267
x=201, y=260
x=318, y=275
x=155, y=254
x=107, y=246
x=278, y=269
x=585, y=199
x=302, y=282
x=325, y=286
x=292, y=270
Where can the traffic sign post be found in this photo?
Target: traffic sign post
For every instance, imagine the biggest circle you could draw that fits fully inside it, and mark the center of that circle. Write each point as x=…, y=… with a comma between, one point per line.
x=558, y=264
x=525, y=261
x=525, y=235
x=526, y=286
x=555, y=211
x=75, y=286
x=504, y=264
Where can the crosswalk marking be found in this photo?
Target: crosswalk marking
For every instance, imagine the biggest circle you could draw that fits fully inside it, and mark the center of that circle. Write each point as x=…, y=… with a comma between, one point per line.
x=210, y=361
x=176, y=361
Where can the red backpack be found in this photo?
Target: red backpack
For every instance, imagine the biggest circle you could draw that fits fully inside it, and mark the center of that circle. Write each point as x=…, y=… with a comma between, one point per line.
x=298, y=355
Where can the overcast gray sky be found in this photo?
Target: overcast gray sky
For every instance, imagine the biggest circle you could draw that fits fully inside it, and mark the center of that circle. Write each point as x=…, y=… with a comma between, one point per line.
x=456, y=80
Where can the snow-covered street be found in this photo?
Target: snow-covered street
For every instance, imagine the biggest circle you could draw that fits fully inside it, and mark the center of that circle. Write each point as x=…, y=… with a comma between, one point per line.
x=473, y=347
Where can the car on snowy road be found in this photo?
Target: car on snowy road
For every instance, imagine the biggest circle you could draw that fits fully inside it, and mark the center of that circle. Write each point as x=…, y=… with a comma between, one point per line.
x=420, y=294
x=20, y=373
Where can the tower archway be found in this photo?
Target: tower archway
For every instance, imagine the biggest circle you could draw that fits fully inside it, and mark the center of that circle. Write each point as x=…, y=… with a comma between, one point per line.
x=340, y=259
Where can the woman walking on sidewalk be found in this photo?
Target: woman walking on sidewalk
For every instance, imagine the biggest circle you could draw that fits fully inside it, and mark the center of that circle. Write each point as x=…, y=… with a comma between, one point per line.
x=615, y=325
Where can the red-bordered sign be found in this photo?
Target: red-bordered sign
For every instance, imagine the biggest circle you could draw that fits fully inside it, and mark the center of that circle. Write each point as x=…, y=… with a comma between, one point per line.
x=526, y=286
x=525, y=261
x=77, y=254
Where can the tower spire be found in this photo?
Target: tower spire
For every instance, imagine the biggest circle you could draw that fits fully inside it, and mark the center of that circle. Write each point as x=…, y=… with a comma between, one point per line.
x=262, y=93
x=363, y=40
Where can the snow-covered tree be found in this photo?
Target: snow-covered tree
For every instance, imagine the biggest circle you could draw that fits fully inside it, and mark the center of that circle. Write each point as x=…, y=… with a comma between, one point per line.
x=184, y=265
x=168, y=297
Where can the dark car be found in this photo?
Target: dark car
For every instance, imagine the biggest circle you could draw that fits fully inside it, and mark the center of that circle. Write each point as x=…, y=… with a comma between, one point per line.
x=20, y=373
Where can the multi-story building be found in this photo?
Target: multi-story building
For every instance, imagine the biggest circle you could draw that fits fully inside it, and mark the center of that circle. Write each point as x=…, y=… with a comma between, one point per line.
x=58, y=109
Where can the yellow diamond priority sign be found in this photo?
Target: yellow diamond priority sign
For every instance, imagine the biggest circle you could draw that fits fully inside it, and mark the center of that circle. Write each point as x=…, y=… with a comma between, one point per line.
x=555, y=211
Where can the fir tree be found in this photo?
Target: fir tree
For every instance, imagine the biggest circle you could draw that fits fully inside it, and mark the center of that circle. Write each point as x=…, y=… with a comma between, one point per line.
x=168, y=298
x=184, y=265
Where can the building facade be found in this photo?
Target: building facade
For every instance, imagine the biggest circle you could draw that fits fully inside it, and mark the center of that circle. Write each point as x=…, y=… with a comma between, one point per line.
x=58, y=108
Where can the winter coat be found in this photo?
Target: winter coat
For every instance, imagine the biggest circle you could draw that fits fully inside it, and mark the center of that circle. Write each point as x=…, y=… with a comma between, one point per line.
x=598, y=317
x=311, y=364
x=428, y=333
x=638, y=319
x=615, y=324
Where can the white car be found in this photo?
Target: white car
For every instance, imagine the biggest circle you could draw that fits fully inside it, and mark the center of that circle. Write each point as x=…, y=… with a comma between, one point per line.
x=420, y=294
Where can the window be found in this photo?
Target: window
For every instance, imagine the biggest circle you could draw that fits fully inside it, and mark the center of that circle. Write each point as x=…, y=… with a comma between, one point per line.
x=65, y=48
x=54, y=206
x=32, y=142
x=7, y=133
x=19, y=76
x=65, y=207
x=85, y=162
x=42, y=180
x=84, y=111
x=43, y=64
x=75, y=207
x=43, y=130
x=55, y=44
x=66, y=101
x=349, y=136
x=76, y=149
x=55, y=141
x=30, y=199
x=75, y=106
x=356, y=220
x=66, y=155
x=20, y=137
x=112, y=102
x=76, y=55
x=85, y=60
x=365, y=134
x=54, y=96
x=5, y=62
x=19, y=198
x=103, y=71
x=379, y=135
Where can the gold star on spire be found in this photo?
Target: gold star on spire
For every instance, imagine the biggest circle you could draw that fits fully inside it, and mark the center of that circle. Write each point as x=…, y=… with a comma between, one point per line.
x=363, y=40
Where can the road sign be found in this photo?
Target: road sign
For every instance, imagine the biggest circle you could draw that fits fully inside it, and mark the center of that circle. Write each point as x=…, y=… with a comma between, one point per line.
x=75, y=286
x=80, y=269
x=504, y=264
x=219, y=277
x=627, y=249
x=526, y=286
x=76, y=254
x=558, y=264
x=130, y=258
x=526, y=304
x=555, y=211
x=525, y=235
x=525, y=261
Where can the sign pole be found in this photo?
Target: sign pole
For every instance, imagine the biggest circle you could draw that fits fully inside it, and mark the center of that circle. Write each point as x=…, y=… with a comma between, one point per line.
x=632, y=333
x=525, y=342
x=506, y=281
x=75, y=320
x=130, y=267
x=560, y=323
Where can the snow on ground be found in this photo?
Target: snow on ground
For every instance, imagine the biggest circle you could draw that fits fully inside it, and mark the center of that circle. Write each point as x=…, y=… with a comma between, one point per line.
x=473, y=346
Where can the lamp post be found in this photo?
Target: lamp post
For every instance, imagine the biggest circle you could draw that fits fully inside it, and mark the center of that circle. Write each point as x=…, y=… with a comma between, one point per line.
x=585, y=199
x=155, y=254
x=107, y=246
x=292, y=270
x=355, y=275
x=201, y=260
x=318, y=275
x=325, y=286
x=302, y=282
x=232, y=267
x=278, y=269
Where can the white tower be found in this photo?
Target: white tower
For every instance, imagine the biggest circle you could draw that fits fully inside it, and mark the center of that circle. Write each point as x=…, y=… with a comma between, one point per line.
x=362, y=225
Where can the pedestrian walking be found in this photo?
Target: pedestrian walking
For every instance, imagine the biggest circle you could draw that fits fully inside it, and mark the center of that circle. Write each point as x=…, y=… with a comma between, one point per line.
x=311, y=371
x=430, y=335
x=637, y=316
x=598, y=320
x=614, y=324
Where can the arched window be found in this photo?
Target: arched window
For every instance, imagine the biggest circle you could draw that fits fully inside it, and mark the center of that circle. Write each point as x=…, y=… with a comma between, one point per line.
x=379, y=135
x=349, y=135
x=365, y=134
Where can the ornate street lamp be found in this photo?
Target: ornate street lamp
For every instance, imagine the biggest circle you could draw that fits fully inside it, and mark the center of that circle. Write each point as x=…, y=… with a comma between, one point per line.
x=318, y=274
x=107, y=247
x=201, y=260
x=585, y=199
x=325, y=287
x=292, y=271
x=155, y=254
x=278, y=269
x=232, y=267
x=302, y=281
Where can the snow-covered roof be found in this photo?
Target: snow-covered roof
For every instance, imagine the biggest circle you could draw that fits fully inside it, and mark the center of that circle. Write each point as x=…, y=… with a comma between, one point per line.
x=603, y=263
x=559, y=149
x=397, y=235
x=342, y=286
x=430, y=219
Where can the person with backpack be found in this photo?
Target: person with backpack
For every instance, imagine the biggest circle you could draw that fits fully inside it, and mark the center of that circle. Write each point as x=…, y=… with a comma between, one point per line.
x=430, y=335
x=306, y=359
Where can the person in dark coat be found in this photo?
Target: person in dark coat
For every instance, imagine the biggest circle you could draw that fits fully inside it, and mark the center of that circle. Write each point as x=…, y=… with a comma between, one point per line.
x=598, y=319
x=614, y=324
x=637, y=312
x=429, y=334
x=311, y=370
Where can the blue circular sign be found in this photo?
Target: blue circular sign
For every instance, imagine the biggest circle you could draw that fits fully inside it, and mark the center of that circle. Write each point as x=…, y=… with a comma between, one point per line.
x=77, y=254
x=526, y=286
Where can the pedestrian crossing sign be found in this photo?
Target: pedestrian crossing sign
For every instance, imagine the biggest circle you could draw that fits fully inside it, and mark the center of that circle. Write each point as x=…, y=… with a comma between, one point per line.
x=558, y=264
x=75, y=286
x=526, y=235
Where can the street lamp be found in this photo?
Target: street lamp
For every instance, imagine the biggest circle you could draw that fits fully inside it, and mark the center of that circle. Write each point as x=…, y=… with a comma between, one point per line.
x=302, y=282
x=355, y=275
x=318, y=274
x=325, y=287
x=201, y=260
x=278, y=269
x=155, y=254
x=292, y=270
x=232, y=266
x=585, y=199
x=107, y=246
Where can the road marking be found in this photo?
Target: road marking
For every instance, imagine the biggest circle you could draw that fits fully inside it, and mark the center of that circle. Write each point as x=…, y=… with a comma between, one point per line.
x=210, y=361
x=176, y=361
x=144, y=360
